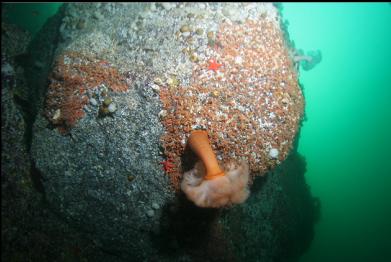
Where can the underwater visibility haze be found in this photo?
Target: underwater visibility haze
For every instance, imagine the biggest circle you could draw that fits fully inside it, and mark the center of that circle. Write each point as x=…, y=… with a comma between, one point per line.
x=346, y=137
x=328, y=200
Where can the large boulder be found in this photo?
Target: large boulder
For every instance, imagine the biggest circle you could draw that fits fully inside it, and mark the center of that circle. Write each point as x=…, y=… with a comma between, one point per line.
x=126, y=84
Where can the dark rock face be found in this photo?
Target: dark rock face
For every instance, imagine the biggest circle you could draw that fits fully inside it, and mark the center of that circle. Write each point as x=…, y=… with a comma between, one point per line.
x=15, y=160
x=276, y=223
x=99, y=191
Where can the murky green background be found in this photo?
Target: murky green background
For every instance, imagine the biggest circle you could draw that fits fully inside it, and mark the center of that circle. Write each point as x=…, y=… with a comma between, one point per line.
x=30, y=16
x=346, y=139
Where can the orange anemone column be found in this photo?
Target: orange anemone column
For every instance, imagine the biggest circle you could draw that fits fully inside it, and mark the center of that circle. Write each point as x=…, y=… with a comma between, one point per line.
x=199, y=143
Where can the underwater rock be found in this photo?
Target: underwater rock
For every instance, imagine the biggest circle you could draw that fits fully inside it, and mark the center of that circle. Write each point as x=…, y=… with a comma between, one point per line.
x=14, y=156
x=85, y=171
x=249, y=64
x=278, y=220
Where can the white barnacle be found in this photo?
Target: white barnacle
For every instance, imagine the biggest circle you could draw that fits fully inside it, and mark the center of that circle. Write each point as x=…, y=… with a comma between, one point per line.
x=162, y=113
x=238, y=60
x=112, y=108
x=273, y=153
x=57, y=114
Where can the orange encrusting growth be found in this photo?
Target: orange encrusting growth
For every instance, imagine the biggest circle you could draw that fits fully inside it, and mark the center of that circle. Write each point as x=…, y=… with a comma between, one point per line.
x=199, y=143
x=73, y=74
x=249, y=105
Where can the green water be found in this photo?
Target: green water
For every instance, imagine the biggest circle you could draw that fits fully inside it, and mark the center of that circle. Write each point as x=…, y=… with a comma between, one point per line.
x=346, y=139
x=29, y=16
